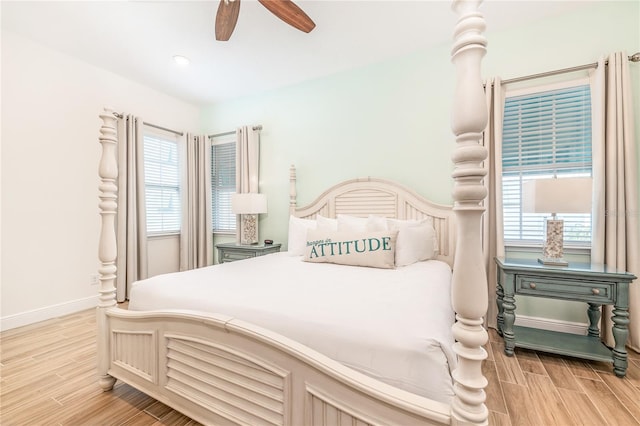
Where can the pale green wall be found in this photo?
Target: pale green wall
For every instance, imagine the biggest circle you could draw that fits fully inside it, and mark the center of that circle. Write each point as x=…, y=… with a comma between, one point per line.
x=391, y=119
x=381, y=121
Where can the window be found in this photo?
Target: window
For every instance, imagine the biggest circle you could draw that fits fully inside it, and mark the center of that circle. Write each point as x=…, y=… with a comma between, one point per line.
x=162, y=183
x=223, y=183
x=546, y=133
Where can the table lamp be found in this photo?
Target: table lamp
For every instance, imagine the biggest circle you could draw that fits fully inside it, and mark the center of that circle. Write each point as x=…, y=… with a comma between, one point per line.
x=557, y=195
x=249, y=206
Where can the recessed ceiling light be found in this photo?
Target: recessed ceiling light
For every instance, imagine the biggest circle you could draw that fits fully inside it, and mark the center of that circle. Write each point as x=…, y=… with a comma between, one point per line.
x=183, y=61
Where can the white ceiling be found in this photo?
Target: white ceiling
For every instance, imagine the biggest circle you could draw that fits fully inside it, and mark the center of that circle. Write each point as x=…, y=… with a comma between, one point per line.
x=137, y=39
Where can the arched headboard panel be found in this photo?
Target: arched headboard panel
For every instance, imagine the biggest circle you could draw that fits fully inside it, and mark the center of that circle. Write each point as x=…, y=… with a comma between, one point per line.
x=372, y=196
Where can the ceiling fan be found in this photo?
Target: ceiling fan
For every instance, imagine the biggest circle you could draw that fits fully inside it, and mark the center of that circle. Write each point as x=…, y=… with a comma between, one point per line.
x=286, y=10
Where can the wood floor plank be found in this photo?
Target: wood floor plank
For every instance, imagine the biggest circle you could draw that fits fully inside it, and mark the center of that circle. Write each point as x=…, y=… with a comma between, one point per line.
x=521, y=411
x=499, y=419
x=581, y=408
x=158, y=410
x=529, y=362
x=495, y=398
x=507, y=366
x=546, y=400
x=493, y=335
x=83, y=384
x=626, y=392
x=633, y=373
x=34, y=387
x=559, y=373
x=607, y=404
x=32, y=411
x=141, y=419
x=489, y=350
x=177, y=419
x=115, y=407
x=581, y=368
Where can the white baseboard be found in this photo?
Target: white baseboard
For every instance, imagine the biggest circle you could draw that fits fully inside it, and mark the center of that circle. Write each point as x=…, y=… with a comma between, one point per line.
x=552, y=324
x=48, y=312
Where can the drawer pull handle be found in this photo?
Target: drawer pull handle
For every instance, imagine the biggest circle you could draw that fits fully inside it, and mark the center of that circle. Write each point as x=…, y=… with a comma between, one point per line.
x=532, y=286
x=595, y=291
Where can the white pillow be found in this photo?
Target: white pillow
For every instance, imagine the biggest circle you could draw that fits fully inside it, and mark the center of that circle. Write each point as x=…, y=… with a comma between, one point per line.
x=428, y=220
x=298, y=234
x=377, y=223
x=361, y=224
x=351, y=223
x=369, y=248
x=326, y=224
x=416, y=240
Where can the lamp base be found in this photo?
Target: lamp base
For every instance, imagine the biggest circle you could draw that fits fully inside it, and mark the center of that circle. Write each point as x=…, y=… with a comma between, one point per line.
x=552, y=261
x=553, y=252
x=249, y=229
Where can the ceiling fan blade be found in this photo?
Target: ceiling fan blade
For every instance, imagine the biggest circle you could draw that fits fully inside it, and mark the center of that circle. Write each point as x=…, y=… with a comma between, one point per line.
x=226, y=19
x=289, y=13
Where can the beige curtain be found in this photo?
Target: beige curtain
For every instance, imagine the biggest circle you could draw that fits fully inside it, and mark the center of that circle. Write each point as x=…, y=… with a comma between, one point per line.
x=247, y=163
x=493, y=238
x=616, y=234
x=196, y=233
x=131, y=223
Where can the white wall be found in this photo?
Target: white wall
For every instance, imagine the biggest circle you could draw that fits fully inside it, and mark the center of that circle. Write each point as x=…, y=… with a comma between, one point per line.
x=50, y=153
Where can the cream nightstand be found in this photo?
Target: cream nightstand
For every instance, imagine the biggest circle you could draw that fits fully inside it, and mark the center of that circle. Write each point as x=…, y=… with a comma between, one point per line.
x=596, y=285
x=230, y=252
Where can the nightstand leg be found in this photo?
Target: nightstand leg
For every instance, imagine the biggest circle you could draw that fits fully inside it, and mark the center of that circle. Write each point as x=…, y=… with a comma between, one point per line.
x=620, y=334
x=499, y=302
x=509, y=316
x=594, y=318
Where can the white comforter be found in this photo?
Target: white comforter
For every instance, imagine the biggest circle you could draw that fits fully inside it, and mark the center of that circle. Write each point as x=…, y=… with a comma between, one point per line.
x=391, y=324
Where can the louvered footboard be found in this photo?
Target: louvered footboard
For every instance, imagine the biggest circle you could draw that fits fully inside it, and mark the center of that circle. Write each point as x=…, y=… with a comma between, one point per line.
x=220, y=371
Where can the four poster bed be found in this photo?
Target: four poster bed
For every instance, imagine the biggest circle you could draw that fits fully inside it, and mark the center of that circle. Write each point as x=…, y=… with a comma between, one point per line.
x=375, y=347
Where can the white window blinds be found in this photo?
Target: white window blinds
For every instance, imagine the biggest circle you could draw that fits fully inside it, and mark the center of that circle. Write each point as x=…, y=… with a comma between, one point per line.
x=162, y=183
x=545, y=134
x=223, y=184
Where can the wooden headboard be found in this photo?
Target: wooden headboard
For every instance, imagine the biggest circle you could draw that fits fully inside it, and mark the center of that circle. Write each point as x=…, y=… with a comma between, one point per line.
x=371, y=196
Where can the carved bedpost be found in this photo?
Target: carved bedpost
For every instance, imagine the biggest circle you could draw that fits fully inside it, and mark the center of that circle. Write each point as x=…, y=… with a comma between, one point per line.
x=292, y=189
x=107, y=249
x=469, y=292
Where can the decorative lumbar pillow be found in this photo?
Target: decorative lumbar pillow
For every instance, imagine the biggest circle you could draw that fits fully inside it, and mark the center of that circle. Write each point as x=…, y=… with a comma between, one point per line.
x=370, y=248
x=416, y=240
x=298, y=234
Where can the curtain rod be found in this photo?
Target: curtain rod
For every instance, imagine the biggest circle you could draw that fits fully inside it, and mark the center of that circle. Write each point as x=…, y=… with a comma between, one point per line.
x=163, y=128
x=155, y=126
x=258, y=127
x=633, y=58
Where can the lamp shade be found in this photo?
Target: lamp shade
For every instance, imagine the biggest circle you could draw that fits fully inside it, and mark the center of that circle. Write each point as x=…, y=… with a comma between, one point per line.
x=564, y=195
x=249, y=203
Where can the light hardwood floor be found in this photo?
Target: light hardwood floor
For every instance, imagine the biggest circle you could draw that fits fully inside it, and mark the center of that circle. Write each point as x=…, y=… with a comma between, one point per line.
x=48, y=377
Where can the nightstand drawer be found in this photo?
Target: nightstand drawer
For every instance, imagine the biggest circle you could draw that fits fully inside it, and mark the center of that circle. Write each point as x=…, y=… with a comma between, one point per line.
x=230, y=252
x=586, y=291
x=231, y=255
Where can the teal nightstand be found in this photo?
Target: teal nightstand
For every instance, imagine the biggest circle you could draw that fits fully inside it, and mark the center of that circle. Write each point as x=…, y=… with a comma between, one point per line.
x=595, y=285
